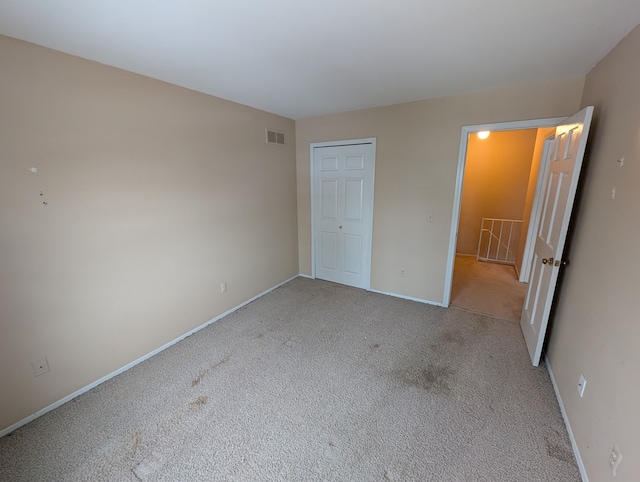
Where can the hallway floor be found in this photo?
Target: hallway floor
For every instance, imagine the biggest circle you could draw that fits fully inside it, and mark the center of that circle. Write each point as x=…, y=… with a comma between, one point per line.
x=487, y=288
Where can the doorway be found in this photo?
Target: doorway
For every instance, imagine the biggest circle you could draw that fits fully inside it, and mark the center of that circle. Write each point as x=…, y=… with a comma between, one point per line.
x=495, y=289
x=500, y=170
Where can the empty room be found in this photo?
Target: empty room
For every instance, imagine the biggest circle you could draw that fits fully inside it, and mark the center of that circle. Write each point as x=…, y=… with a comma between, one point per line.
x=230, y=232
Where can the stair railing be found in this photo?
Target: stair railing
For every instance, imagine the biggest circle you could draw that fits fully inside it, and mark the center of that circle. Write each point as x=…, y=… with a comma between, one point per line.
x=500, y=237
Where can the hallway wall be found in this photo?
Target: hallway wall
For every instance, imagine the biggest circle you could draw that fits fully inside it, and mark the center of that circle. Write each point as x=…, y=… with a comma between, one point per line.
x=495, y=183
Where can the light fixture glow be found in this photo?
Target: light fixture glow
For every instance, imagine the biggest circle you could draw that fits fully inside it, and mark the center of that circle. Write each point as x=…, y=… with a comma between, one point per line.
x=483, y=134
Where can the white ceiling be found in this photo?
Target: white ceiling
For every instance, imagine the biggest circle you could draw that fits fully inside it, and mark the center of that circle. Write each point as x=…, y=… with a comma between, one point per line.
x=301, y=58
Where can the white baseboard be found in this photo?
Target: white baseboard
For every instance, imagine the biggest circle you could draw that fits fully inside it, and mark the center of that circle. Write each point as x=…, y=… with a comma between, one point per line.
x=395, y=295
x=583, y=472
x=68, y=398
x=410, y=298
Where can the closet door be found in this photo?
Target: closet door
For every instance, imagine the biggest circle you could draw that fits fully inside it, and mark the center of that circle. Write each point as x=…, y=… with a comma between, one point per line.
x=343, y=213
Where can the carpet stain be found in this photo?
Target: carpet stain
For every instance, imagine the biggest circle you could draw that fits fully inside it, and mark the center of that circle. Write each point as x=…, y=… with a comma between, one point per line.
x=453, y=337
x=197, y=379
x=204, y=373
x=330, y=452
x=147, y=469
x=434, y=379
x=260, y=336
x=137, y=439
x=374, y=346
x=221, y=362
x=200, y=401
x=560, y=452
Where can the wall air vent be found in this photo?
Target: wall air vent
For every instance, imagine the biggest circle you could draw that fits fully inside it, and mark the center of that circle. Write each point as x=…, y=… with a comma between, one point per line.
x=275, y=137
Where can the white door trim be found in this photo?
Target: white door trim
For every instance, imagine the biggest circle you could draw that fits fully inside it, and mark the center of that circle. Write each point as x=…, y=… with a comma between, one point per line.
x=457, y=198
x=349, y=142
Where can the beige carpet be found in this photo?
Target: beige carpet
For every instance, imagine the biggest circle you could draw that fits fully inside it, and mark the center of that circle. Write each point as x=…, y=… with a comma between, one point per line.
x=487, y=288
x=313, y=382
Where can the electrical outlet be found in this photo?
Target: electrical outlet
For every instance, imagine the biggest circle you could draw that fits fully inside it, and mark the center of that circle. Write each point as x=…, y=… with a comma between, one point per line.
x=40, y=367
x=614, y=459
x=403, y=273
x=223, y=287
x=582, y=383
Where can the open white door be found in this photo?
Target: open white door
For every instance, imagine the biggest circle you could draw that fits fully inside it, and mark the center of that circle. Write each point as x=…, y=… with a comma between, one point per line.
x=560, y=183
x=536, y=209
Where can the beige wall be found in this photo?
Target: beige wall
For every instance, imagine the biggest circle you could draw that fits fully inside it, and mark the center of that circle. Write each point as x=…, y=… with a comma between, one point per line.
x=155, y=195
x=496, y=176
x=596, y=329
x=416, y=164
x=541, y=136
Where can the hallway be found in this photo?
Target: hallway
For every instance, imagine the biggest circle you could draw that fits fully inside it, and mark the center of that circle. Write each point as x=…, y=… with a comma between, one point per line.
x=487, y=288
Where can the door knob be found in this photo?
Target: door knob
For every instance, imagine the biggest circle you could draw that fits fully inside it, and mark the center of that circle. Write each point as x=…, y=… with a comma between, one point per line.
x=547, y=260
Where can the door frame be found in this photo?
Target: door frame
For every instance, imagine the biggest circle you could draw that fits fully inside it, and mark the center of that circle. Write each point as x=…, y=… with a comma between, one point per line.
x=349, y=142
x=457, y=199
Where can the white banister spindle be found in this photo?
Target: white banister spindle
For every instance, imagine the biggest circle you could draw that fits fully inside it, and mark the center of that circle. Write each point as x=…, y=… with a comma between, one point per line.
x=500, y=243
x=509, y=242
